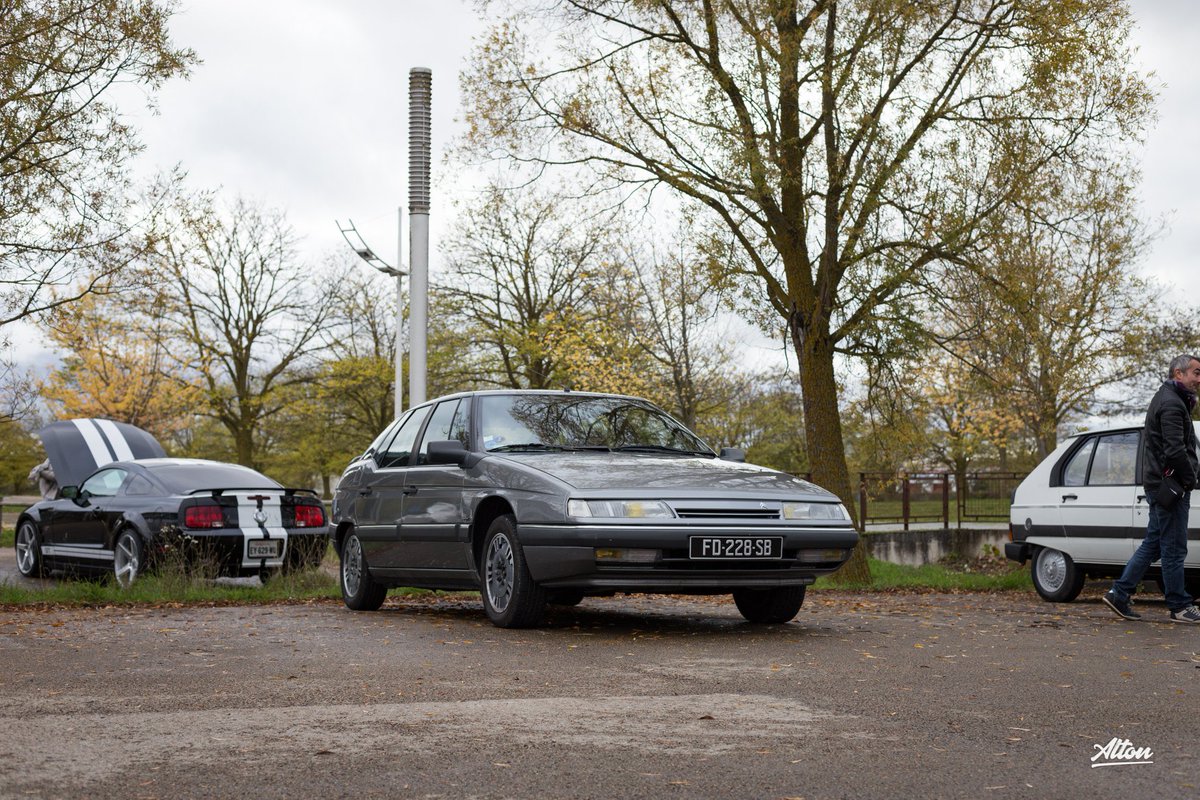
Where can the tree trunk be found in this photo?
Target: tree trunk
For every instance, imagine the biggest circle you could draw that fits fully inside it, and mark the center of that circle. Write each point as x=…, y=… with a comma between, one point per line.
x=243, y=438
x=823, y=431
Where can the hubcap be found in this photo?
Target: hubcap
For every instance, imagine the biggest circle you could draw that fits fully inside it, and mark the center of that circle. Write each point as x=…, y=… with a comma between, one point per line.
x=125, y=560
x=499, y=578
x=25, y=552
x=352, y=565
x=1051, y=570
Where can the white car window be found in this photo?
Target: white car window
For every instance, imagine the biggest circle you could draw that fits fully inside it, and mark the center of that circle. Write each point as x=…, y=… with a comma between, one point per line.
x=1115, y=461
x=104, y=483
x=1075, y=473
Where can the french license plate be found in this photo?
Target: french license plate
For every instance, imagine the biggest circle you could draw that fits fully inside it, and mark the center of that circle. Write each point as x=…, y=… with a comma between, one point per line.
x=736, y=547
x=263, y=548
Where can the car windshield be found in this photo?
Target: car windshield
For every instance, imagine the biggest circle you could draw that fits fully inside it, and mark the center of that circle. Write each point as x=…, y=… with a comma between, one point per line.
x=541, y=422
x=184, y=478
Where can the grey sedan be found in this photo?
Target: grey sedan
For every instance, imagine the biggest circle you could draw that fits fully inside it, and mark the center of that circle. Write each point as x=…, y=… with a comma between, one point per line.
x=548, y=497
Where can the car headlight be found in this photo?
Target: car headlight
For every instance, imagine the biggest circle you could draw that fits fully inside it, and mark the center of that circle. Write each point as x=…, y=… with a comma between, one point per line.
x=815, y=511
x=620, y=509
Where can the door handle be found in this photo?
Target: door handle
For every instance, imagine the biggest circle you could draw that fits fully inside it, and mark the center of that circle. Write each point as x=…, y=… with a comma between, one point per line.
x=409, y=490
x=1141, y=497
x=364, y=492
x=1067, y=497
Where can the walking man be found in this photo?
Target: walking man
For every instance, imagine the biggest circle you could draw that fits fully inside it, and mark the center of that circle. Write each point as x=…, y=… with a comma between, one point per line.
x=1168, y=458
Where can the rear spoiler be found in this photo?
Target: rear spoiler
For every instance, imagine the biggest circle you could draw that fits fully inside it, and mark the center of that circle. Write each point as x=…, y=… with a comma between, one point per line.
x=286, y=492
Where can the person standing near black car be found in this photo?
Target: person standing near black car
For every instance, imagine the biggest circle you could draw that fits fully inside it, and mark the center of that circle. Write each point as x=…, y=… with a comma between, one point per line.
x=1170, y=468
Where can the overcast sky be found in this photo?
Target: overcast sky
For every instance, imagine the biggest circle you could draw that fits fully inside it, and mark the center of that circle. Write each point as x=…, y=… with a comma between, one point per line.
x=302, y=105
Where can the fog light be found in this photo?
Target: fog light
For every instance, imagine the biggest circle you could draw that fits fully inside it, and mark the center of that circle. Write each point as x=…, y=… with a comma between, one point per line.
x=626, y=555
x=820, y=556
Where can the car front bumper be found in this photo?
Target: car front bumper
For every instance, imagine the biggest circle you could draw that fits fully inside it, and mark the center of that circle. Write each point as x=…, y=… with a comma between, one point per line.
x=565, y=556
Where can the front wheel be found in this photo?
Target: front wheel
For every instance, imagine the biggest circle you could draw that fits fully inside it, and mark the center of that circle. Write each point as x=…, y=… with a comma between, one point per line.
x=360, y=592
x=769, y=606
x=510, y=597
x=128, y=558
x=1055, y=576
x=29, y=551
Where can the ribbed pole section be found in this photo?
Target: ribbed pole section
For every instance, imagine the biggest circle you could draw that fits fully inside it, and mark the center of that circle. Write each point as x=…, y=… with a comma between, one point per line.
x=420, y=96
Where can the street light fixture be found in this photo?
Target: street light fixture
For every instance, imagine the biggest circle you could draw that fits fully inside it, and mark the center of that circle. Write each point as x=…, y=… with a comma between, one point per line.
x=363, y=251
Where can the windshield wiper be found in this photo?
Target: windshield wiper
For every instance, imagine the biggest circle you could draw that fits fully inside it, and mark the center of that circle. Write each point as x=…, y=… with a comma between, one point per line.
x=508, y=448
x=658, y=448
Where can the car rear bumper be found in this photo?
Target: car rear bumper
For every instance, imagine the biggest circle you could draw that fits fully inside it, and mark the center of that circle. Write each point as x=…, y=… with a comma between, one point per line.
x=1018, y=551
x=566, y=556
x=230, y=552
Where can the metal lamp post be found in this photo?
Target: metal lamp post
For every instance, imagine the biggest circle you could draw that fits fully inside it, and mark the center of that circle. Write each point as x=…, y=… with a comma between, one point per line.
x=355, y=240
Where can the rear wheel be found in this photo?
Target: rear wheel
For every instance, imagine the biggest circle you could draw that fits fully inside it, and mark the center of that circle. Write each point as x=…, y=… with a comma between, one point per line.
x=360, y=592
x=510, y=597
x=128, y=558
x=29, y=550
x=1055, y=576
x=767, y=606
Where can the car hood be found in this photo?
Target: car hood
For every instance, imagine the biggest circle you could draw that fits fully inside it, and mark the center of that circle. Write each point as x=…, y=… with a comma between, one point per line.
x=78, y=447
x=629, y=471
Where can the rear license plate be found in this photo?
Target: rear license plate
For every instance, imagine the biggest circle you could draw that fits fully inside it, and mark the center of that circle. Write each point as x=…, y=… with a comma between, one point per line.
x=263, y=548
x=736, y=547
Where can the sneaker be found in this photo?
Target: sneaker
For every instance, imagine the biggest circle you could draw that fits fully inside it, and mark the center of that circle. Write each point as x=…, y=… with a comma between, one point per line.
x=1123, y=607
x=1189, y=614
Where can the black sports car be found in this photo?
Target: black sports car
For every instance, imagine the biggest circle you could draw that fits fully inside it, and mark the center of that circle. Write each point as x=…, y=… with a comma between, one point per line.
x=122, y=506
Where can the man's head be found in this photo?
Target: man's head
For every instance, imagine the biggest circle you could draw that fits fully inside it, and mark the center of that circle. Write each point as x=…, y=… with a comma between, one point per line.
x=1186, y=370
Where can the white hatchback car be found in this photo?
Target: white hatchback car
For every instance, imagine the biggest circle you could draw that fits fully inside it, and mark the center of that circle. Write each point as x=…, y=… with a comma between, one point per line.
x=1082, y=512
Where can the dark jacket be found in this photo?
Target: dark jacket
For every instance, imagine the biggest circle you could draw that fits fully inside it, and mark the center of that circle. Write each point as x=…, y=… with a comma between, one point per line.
x=1169, y=441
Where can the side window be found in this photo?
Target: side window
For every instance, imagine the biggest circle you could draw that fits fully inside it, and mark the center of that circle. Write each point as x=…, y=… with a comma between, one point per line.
x=439, y=428
x=460, y=428
x=1075, y=473
x=139, y=486
x=388, y=433
x=104, y=483
x=1115, y=461
x=396, y=453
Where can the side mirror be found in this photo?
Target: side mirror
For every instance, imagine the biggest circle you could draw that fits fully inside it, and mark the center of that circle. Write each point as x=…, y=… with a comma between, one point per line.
x=453, y=452
x=68, y=492
x=732, y=454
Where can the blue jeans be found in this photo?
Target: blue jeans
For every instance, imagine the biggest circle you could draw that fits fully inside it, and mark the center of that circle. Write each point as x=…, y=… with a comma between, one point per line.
x=1166, y=539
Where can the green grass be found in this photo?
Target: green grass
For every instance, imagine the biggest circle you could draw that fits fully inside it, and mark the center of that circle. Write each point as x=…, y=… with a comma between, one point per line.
x=931, y=510
x=152, y=590
x=886, y=575
x=8, y=537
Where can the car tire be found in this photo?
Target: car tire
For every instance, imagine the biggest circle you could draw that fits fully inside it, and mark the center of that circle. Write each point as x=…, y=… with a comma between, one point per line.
x=769, y=606
x=360, y=592
x=510, y=596
x=1055, y=576
x=129, y=558
x=28, y=543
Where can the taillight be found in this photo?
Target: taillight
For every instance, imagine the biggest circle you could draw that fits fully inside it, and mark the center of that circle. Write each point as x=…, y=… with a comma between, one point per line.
x=310, y=516
x=204, y=516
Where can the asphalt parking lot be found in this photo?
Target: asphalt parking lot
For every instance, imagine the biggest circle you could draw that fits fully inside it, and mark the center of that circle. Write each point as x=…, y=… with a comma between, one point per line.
x=908, y=695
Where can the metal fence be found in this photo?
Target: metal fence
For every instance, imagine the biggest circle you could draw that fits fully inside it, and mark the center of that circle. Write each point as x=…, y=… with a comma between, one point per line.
x=935, y=497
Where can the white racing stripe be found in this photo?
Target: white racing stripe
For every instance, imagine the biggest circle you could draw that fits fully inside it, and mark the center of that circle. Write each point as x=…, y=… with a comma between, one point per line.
x=94, y=441
x=270, y=526
x=116, y=439
x=67, y=551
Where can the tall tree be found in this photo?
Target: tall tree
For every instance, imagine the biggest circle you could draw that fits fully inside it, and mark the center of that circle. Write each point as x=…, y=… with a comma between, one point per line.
x=1053, y=314
x=247, y=312
x=851, y=148
x=116, y=364
x=529, y=269
x=64, y=145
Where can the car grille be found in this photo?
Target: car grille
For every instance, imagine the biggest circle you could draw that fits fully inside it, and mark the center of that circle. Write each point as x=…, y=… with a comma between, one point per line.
x=727, y=513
